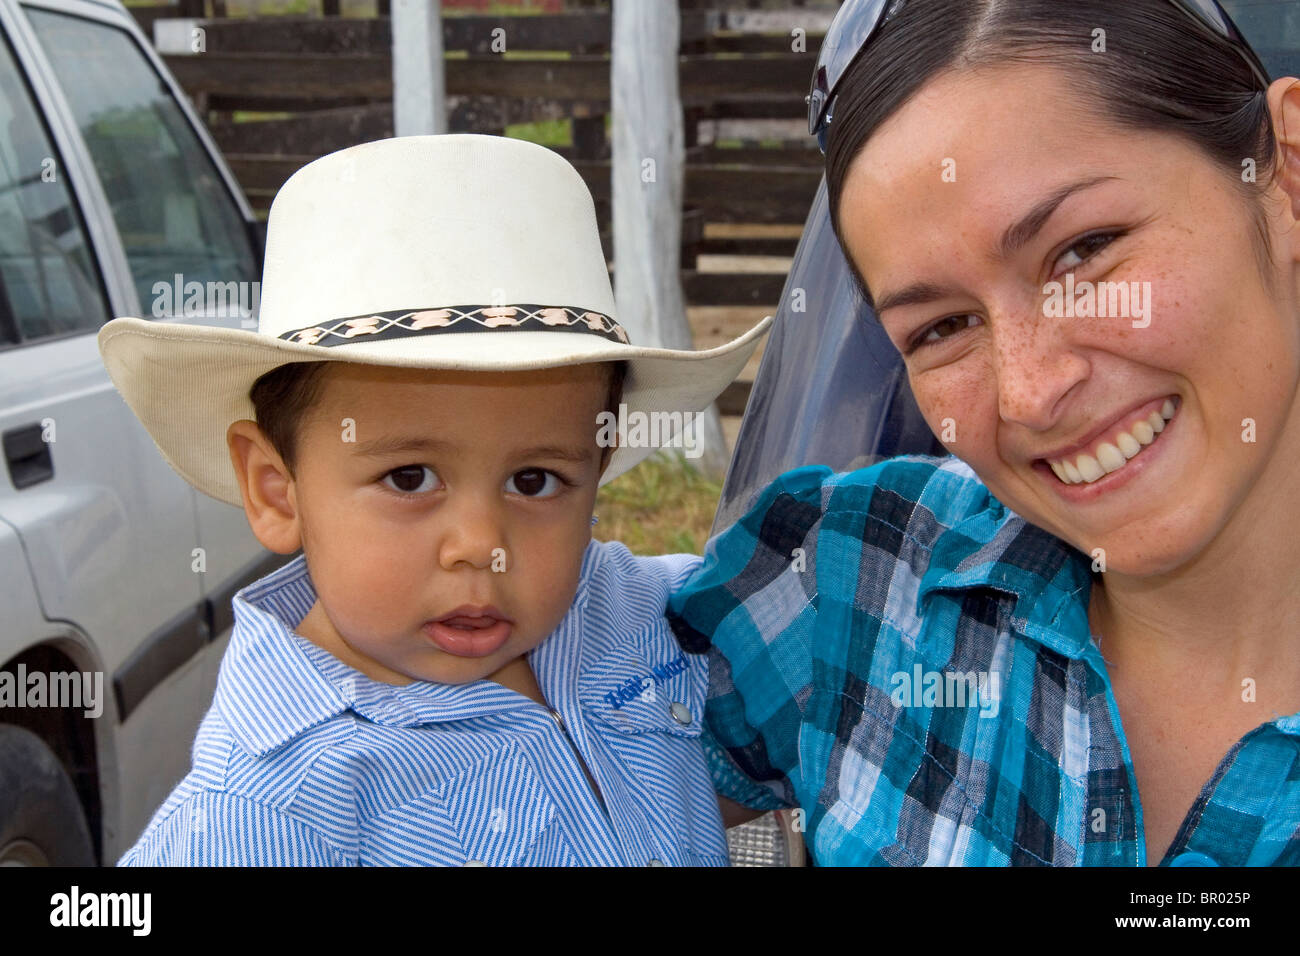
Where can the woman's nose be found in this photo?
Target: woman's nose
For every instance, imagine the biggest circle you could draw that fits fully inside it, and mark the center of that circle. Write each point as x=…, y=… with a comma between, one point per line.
x=1036, y=365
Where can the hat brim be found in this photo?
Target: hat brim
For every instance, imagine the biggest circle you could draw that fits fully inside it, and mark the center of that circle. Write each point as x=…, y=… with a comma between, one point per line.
x=187, y=383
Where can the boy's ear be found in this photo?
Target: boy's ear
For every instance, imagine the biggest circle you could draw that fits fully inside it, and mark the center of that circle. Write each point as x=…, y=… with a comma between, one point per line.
x=270, y=501
x=606, y=455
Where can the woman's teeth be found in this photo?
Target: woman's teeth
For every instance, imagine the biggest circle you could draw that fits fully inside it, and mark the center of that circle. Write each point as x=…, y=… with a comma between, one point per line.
x=1114, y=454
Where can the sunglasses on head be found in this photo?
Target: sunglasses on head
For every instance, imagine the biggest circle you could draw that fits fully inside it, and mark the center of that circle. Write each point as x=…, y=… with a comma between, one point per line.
x=858, y=20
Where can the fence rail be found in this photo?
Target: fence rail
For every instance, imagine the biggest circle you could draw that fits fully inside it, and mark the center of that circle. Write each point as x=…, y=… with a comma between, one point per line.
x=327, y=83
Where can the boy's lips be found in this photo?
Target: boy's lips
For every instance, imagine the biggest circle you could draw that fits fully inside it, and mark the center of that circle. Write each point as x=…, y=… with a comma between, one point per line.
x=470, y=631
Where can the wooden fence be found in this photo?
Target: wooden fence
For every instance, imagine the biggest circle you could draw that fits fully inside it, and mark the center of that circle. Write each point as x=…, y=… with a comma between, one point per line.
x=278, y=92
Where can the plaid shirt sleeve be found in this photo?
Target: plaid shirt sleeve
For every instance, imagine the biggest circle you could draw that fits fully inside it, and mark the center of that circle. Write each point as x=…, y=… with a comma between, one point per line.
x=895, y=652
x=752, y=608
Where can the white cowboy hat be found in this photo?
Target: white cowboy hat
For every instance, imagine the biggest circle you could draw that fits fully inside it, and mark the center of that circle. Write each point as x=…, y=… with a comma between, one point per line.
x=459, y=251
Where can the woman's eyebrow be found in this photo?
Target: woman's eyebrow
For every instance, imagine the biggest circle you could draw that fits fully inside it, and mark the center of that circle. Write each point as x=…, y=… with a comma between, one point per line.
x=918, y=293
x=1021, y=232
x=1013, y=240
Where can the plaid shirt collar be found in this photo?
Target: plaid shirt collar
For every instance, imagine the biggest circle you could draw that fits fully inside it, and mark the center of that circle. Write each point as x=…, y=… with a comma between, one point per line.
x=1049, y=580
x=311, y=685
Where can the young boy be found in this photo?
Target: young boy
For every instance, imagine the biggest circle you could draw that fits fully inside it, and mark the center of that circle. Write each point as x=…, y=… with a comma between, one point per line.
x=453, y=671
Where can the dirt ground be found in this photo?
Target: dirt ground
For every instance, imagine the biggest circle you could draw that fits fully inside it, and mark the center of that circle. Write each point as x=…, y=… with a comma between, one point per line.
x=712, y=326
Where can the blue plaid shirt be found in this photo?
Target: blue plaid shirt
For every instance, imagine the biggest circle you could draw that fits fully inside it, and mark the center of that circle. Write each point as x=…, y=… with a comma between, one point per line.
x=909, y=662
x=303, y=760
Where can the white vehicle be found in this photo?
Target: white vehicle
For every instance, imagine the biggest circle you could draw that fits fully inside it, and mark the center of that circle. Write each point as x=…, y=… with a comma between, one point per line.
x=111, y=566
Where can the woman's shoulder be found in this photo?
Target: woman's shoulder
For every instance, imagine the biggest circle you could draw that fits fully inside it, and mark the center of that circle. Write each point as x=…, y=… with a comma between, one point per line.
x=944, y=489
x=835, y=530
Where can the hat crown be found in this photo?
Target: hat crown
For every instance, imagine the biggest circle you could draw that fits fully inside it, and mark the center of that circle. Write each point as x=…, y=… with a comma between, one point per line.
x=427, y=222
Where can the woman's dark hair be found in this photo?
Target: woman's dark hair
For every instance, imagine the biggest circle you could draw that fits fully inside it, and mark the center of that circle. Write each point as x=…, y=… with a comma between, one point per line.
x=1158, y=72
x=283, y=395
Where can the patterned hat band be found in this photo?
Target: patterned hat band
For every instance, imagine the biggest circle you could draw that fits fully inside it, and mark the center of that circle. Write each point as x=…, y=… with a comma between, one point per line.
x=403, y=323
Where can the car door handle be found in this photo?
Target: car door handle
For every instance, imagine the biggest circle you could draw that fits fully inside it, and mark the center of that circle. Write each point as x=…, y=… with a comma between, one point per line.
x=27, y=456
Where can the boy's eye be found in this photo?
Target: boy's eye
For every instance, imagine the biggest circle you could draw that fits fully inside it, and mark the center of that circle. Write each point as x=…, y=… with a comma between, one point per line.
x=409, y=479
x=534, y=483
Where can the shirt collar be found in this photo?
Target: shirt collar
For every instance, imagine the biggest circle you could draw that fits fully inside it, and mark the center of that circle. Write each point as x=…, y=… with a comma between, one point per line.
x=1289, y=725
x=275, y=684
x=1050, y=580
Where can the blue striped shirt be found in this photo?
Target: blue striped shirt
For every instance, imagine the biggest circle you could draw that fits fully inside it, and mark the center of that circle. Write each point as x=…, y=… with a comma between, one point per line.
x=302, y=760
x=895, y=652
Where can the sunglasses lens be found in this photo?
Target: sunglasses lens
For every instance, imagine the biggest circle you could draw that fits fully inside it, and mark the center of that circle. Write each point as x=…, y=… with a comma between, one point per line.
x=1213, y=17
x=857, y=20
x=848, y=33
x=1209, y=13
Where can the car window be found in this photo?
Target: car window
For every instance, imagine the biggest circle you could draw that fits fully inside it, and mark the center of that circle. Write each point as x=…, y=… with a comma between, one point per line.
x=49, y=281
x=178, y=221
x=1272, y=27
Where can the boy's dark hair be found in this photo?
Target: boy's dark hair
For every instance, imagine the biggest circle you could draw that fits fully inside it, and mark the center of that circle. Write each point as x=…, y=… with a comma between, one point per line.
x=283, y=395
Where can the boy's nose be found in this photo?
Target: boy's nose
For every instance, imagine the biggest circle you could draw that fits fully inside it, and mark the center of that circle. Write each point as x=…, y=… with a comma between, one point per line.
x=473, y=536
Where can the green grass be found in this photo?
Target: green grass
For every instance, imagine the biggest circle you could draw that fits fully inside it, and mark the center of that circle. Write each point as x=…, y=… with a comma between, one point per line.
x=498, y=10
x=283, y=8
x=250, y=116
x=662, y=506
x=545, y=133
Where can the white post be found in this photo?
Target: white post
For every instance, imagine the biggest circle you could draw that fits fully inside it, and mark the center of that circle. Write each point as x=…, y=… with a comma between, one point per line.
x=648, y=172
x=419, y=84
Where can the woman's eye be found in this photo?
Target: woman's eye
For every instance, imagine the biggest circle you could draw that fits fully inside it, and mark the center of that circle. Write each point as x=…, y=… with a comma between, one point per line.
x=946, y=329
x=534, y=483
x=410, y=479
x=1089, y=246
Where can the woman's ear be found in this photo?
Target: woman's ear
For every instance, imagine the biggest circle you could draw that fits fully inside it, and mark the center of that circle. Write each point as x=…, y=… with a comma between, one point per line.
x=1284, y=105
x=270, y=501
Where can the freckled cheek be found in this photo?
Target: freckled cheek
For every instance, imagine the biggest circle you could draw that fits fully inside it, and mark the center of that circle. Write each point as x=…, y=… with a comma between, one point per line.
x=960, y=405
x=1202, y=306
x=1211, y=337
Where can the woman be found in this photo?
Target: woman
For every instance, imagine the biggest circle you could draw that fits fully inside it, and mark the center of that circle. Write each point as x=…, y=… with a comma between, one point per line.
x=1078, y=640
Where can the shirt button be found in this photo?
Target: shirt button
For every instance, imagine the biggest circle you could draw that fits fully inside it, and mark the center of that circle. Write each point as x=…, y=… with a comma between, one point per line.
x=681, y=713
x=1193, y=859
x=656, y=863
x=475, y=863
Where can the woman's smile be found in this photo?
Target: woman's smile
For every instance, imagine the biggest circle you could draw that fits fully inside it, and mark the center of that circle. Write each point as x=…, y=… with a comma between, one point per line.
x=1112, y=456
